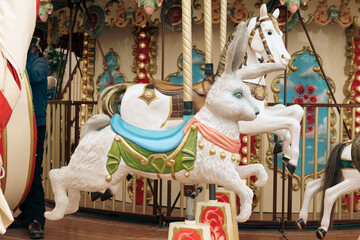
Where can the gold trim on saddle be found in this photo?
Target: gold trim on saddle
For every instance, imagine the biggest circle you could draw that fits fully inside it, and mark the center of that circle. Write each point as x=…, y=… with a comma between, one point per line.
x=148, y=94
x=257, y=91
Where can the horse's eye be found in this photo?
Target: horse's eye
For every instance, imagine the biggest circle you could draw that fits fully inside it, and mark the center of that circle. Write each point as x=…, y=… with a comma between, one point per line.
x=269, y=32
x=238, y=94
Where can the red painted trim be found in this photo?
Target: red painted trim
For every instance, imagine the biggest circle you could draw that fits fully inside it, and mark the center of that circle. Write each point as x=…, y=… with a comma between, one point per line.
x=6, y=112
x=14, y=74
x=2, y=155
x=37, y=7
x=34, y=161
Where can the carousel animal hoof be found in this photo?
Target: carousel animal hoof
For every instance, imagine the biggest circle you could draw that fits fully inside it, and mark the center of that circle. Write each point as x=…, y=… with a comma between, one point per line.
x=300, y=224
x=277, y=147
x=320, y=233
x=106, y=195
x=95, y=195
x=289, y=167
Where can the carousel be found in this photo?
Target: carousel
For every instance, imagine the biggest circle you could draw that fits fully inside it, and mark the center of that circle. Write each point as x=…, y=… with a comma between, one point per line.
x=205, y=118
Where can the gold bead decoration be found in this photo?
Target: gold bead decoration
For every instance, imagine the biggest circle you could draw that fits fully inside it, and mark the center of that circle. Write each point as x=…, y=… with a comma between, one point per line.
x=142, y=34
x=212, y=151
x=244, y=150
x=187, y=174
x=141, y=65
x=117, y=138
x=142, y=56
x=142, y=45
x=244, y=139
x=238, y=158
x=244, y=160
x=201, y=143
x=108, y=178
x=222, y=154
x=141, y=75
x=233, y=158
x=193, y=126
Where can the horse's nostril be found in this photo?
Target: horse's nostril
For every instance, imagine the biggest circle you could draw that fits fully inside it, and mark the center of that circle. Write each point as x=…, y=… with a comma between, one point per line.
x=257, y=112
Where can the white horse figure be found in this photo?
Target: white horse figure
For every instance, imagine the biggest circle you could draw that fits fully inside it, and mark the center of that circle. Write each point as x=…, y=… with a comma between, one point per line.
x=265, y=39
x=228, y=102
x=17, y=22
x=342, y=176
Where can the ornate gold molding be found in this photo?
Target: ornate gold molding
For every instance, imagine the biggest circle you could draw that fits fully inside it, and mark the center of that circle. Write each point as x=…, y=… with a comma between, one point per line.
x=88, y=70
x=117, y=68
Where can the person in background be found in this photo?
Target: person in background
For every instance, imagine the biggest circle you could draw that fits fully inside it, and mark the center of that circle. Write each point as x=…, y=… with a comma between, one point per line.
x=33, y=208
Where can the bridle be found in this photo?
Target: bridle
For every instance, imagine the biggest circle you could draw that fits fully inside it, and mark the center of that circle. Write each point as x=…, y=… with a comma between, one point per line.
x=262, y=36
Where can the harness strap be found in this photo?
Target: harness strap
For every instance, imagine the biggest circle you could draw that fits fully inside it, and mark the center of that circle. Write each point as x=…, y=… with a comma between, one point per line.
x=262, y=37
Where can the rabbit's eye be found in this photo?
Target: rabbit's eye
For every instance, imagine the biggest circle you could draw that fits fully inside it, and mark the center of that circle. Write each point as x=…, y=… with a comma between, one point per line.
x=238, y=94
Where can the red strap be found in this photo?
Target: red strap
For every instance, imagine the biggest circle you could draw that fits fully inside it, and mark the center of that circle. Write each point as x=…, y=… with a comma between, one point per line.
x=5, y=110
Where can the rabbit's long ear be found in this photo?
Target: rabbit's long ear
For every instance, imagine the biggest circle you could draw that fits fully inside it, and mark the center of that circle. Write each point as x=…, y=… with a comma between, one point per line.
x=257, y=70
x=237, y=49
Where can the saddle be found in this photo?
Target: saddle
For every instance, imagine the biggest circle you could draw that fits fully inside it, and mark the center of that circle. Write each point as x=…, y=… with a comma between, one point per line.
x=176, y=91
x=155, y=141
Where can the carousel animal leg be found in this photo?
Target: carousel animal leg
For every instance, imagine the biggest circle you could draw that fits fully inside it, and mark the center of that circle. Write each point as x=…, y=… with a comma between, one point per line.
x=245, y=194
x=60, y=193
x=267, y=123
x=331, y=194
x=312, y=188
x=74, y=199
x=257, y=169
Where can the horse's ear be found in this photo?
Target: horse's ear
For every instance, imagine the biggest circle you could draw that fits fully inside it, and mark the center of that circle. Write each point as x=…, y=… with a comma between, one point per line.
x=258, y=70
x=263, y=11
x=237, y=49
x=276, y=13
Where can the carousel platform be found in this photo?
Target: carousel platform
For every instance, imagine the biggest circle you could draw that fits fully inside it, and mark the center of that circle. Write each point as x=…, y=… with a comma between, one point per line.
x=90, y=226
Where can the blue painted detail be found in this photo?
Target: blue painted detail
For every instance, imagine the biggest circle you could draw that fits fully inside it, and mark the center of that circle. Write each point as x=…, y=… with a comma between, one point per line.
x=314, y=90
x=105, y=80
x=155, y=141
x=198, y=73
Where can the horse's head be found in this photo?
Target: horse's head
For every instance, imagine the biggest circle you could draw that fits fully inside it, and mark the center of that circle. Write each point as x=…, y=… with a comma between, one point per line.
x=265, y=37
x=229, y=97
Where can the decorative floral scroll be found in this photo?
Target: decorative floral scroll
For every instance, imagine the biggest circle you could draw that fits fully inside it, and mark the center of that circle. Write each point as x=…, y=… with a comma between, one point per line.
x=238, y=12
x=325, y=14
x=149, y=5
x=293, y=5
x=216, y=219
x=187, y=234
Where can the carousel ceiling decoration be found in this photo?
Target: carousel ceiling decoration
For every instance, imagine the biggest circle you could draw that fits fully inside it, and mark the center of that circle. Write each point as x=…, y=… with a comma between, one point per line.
x=45, y=9
x=121, y=13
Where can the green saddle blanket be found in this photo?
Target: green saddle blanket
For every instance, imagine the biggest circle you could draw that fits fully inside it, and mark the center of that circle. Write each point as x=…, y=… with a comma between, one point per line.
x=180, y=158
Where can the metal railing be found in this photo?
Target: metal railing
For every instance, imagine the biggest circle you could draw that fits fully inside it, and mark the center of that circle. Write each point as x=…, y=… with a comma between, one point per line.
x=165, y=201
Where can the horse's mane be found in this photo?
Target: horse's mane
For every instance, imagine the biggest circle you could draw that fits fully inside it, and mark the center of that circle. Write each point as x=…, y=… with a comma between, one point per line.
x=355, y=152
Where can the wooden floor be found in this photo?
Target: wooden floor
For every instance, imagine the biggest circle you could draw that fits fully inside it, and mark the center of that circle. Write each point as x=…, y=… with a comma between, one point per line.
x=80, y=226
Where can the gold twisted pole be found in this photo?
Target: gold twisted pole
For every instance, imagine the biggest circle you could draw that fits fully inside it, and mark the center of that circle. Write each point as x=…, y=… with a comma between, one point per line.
x=223, y=21
x=208, y=31
x=187, y=51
